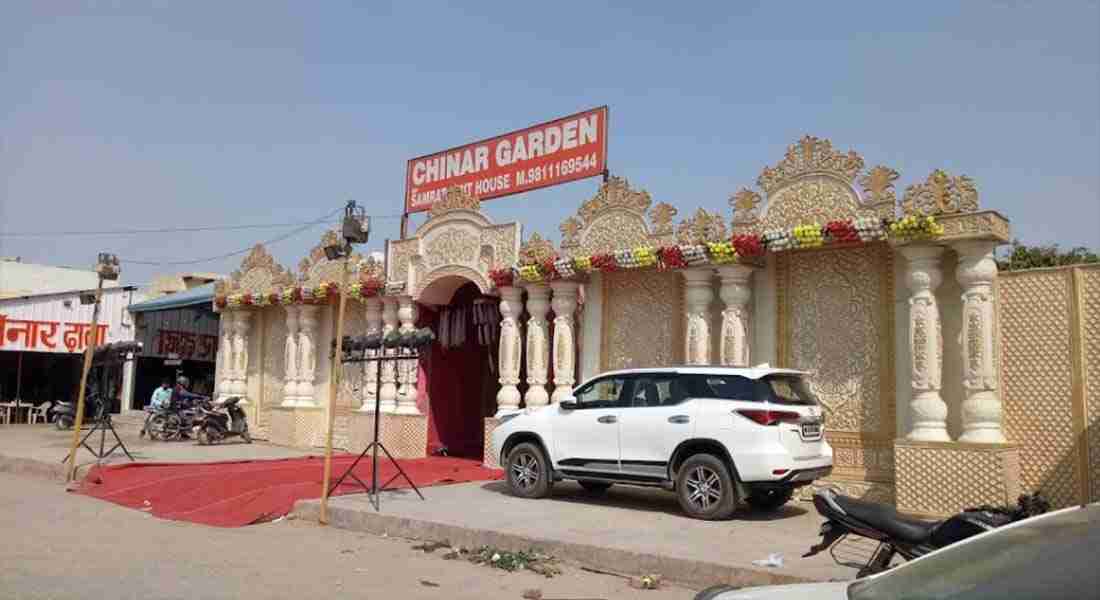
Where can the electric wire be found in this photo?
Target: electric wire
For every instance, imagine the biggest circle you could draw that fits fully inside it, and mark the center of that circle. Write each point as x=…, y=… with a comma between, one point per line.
x=195, y=229
x=273, y=240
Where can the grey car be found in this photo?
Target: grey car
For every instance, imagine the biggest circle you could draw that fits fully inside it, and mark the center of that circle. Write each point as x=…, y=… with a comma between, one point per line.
x=1052, y=556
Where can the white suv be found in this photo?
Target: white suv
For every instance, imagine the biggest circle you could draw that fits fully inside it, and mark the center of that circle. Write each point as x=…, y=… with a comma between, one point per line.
x=717, y=436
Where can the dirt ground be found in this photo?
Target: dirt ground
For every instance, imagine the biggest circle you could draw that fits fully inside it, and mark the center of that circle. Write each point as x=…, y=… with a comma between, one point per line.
x=61, y=545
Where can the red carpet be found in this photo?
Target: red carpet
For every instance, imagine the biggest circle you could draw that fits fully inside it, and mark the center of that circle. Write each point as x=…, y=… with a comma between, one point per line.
x=234, y=494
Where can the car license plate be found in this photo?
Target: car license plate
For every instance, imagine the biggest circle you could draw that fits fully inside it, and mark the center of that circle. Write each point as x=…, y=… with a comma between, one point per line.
x=811, y=430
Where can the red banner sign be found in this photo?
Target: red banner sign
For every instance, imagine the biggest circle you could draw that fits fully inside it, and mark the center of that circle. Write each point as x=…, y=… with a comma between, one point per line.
x=559, y=151
x=32, y=335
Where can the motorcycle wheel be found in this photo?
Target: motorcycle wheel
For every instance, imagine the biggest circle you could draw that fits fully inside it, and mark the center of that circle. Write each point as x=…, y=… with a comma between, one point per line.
x=172, y=429
x=247, y=438
x=156, y=427
x=202, y=437
x=63, y=422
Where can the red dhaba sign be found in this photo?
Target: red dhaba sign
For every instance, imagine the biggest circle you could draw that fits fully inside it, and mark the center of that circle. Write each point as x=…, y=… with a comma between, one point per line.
x=558, y=151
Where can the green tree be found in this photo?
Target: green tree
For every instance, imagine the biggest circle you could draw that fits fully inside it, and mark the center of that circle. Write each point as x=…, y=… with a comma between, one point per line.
x=1019, y=257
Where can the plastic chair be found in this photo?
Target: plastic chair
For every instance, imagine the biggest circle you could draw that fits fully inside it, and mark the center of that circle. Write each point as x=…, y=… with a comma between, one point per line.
x=40, y=412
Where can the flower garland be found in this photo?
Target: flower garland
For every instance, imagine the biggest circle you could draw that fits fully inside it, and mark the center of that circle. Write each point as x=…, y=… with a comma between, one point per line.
x=748, y=245
x=915, y=228
x=808, y=236
x=721, y=253
x=671, y=257
x=737, y=248
x=501, y=277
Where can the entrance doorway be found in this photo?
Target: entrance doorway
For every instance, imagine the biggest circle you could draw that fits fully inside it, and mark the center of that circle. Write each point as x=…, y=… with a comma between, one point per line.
x=461, y=373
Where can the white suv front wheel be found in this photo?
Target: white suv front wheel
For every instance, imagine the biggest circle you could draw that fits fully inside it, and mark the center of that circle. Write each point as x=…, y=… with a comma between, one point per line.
x=704, y=487
x=528, y=471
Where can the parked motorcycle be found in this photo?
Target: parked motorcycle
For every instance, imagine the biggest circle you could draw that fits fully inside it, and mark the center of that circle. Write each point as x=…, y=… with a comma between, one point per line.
x=898, y=535
x=221, y=420
x=63, y=414
x=175, y=420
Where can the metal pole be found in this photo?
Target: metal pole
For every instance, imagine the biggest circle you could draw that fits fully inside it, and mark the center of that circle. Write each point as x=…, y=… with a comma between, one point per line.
x=404, y=225
x=334, y=382
x=88, y=352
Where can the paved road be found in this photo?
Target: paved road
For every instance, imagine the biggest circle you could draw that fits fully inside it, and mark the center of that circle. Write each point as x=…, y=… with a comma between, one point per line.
x=60, y=545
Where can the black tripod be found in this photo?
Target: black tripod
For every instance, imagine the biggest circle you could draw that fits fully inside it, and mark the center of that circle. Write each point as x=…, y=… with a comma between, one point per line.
x=374, y=490
x=103, y=425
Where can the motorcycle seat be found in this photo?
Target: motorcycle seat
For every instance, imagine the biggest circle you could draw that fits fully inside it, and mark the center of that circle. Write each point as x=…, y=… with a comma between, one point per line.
x=887, y=520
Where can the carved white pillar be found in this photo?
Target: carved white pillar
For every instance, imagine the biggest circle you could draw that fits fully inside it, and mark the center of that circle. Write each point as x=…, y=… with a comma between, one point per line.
x=565, y=304
x=389, y=374
x=698, y=294
x=225, y=354
x=374, y=325
x=538, y=349
x=981, y=411
x=407, y=393
x=307, y=353
x=511, y=307
x=240, y=355
x=736, y=293
x=929, y=411
x=291, y=357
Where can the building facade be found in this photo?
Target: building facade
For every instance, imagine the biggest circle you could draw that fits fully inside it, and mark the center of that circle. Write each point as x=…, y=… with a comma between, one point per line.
x=944, y=384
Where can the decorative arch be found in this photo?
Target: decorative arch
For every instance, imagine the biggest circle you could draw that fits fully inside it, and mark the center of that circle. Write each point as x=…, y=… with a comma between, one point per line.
x=456, y=240
x=258, y=274
x=316, y=268
x=617, y=218
x=814, y=183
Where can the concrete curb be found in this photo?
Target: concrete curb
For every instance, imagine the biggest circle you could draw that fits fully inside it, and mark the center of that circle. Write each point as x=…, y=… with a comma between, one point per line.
x=692, y=573
x=27, y=467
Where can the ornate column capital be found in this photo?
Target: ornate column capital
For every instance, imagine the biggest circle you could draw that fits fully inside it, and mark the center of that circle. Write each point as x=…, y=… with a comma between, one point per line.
x=736, y=293
x=924, y=273
x=538, y=350
x=981, y=411
x=511, y=307
x=564, y=303
x=698, y=294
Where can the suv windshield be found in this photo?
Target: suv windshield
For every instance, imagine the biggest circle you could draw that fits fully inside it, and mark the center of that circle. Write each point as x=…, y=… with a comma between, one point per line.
x=1050, y=557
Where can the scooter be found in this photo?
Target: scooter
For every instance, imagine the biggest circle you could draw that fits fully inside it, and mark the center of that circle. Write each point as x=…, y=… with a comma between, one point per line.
x=898, y=535
x=63, y=414
x=220, y=421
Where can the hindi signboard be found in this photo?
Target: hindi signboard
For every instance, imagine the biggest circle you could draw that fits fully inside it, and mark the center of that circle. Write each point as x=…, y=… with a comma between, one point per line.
x=558, y=151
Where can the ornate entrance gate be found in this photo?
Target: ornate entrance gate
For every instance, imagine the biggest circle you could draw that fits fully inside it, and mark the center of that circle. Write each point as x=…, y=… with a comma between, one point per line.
x=836, y=321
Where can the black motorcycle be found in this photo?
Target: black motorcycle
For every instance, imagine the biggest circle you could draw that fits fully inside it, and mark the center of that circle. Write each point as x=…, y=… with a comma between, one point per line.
x=222, y=420
x=175, y=420
x=898, y=535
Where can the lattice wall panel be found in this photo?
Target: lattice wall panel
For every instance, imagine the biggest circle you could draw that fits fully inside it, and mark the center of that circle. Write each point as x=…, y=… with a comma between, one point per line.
x=1036, y=374
x=491, y=460
x=1090, y=341
x=941, y=479
x=282, y=427
x=642, y=319
x=405, y=436
x=309, y=428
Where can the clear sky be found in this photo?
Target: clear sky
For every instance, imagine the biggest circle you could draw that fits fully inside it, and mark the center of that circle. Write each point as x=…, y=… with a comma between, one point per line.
x=200, y=113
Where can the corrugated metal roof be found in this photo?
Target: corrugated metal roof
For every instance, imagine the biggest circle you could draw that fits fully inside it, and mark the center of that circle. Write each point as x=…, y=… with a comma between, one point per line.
x=203, y=294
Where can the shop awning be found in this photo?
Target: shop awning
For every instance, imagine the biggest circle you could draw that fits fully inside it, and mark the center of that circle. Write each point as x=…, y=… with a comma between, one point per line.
x=204, y=294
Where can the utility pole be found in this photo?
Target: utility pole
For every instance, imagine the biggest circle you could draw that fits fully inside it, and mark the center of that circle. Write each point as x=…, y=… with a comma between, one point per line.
x=106, y=269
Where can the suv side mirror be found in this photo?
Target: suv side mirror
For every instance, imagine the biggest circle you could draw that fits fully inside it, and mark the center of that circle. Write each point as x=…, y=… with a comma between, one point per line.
x=568, y=404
